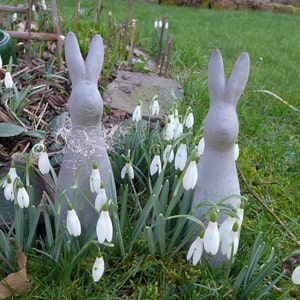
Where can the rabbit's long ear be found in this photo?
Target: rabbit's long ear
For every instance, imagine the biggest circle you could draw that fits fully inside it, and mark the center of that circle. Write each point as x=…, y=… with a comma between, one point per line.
x=94, y=60
x=216, y=77
x=74, y=58
x=238, y=79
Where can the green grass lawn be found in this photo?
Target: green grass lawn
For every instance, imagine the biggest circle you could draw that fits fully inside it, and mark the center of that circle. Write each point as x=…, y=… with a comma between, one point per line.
x=269, y=141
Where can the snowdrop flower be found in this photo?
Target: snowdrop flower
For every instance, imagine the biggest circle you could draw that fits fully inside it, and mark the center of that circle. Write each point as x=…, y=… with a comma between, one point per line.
x=231, y=240
x=104, y=228
x=155, y=108
x=160, y=24
x=12, y=174
x=171, y=119
x=95, y=179
x=137, y=113
x=226, y=227
x=98, y=268
x=296, y=275
x=73, y=223
x=101, y=198
x=33, y=8
x=181, y=157
x=9, y=190
x=211, y=238
x=8, y=82
x=155, y=165
x=175, y=117
x=14, y=17
x=43, y=163
x=167, y=26
x=155, y=24
x=127, y=169
x=168, y=153
x=196, y=249
x=43, y=4
x=236, y=151
x=22, y=196
x=189, y=121
x=178, y=130
x=190, y=177
x=169, y=133
x=201, y=146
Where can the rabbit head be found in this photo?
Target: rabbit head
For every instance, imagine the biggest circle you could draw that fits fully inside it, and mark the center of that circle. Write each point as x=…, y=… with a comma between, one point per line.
x=221, y=125
x=85, y=104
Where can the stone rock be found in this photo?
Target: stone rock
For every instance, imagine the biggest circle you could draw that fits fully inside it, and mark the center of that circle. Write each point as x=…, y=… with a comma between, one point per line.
x=129, y=88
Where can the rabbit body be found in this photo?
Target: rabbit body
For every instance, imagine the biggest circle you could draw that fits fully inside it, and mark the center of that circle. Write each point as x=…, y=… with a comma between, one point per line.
x=85, y=144
x=217, y=174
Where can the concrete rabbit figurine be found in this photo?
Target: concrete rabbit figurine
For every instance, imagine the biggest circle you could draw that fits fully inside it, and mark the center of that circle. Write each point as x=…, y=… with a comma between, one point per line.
x=86, y=143
x=217, y=174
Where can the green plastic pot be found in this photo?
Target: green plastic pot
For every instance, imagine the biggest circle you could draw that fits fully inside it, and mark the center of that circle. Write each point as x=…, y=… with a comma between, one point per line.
x=6, y=48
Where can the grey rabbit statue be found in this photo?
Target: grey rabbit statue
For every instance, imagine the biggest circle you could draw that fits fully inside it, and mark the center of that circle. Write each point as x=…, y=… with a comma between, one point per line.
x=217, y=173
x=86, y=143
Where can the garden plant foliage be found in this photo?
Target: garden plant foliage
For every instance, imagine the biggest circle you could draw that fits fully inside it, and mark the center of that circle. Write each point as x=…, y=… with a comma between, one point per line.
x=145, y=256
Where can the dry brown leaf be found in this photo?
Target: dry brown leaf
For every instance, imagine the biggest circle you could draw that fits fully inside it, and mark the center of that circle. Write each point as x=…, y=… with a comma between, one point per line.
x=16, y=283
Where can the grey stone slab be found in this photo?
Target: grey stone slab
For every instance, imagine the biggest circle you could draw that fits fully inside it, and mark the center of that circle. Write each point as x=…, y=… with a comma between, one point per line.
x=129, y=88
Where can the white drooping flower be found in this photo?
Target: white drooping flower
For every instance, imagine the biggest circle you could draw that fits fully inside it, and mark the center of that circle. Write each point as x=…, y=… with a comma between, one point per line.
x=95, y=179
x=43, y=4
x=9, y=190
x=201, y=146
x=155, y=24
x=190, y=177
x=196, y=250
x=43, y=163
x=236, y=151
x=167, y=26
x=178, y=130
x=73, y=223
x=155, y=108
x=189, y=121
x=22, y=196
x=169, y=133
x=168, y=153
x=137, y=114
x=155, y=165
x=229, y=241
x=12, y=173
x=226, y=227
x=127, y=169
x=211, y=237
x=296, y=275
x=8, y=82
x=181, y=157
x=14, y=17
x=104, y=228
x=98, y=268
x=160, y=24
x=101, y=198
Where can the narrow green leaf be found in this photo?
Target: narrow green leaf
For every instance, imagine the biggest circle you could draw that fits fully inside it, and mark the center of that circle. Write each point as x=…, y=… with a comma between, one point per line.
x=141, y=222
x=161, y=234
x=149, y=237
x=33, y=219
